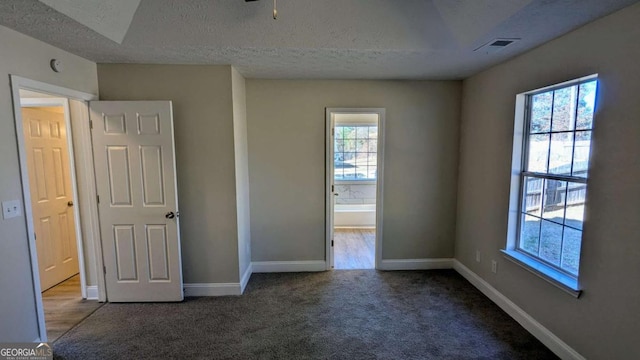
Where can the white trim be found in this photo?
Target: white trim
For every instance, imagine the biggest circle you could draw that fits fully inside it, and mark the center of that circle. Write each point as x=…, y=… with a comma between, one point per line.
x=416, y=264
x=245, y=278
x=536, y=329
x=544, y=272
x=212, y=289
x=329, y=222
x=37, y=86
x=288, y=266
x=92, y=292
x=18, y=83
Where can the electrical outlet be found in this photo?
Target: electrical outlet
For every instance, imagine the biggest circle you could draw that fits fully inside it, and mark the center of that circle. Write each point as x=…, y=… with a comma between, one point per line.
x=11, y=209
x=477, y=255
x=494, y=266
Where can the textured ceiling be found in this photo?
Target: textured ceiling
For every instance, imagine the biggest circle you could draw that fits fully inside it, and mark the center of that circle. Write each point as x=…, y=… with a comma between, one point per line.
x=109, y=18
x=328, y=39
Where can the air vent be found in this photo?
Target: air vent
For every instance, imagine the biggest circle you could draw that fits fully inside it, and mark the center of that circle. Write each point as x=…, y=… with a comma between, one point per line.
x=495, y=45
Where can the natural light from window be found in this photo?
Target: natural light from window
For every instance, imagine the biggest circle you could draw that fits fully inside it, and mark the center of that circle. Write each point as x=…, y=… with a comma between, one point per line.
x=557, y=146
x=355, y=152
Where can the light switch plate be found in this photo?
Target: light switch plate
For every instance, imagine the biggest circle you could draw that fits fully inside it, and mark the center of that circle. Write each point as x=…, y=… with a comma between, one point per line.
x=11, y=209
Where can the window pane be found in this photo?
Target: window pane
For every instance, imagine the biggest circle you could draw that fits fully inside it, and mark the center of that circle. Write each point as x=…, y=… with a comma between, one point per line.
x=349, y=157
x=586, y=105
x=564, y=109
x=581, y=153
x=571, y=241
x=371, y=172
x=338, y=172
x=373, y=132
x=349, y=132
x=339, y=132
x=533, y=196
x=561, y=152
x=530, y=234
x=538, y=153
x=339, y=146
x=362, y=132
x=373, y=146
x=361, y=159
x=554, y=200
x=541, y=112
x=550, y=242
x=372, y=158
x=362, y=145
x=349, y=172
x=349, y=145
x=575, y=204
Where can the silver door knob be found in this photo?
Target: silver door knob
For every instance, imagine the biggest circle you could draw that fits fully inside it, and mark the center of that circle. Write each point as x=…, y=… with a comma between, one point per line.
x=170, y=215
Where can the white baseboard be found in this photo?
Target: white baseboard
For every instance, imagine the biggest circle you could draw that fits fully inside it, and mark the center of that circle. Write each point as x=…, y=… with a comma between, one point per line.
x=245, y=278
x=92, y=292
x=416, y=264
x=288, y=266
x=536, y=329
x=212, y=289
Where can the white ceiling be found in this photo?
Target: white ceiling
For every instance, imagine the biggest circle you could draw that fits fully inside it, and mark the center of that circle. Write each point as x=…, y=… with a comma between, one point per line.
x=320, y=39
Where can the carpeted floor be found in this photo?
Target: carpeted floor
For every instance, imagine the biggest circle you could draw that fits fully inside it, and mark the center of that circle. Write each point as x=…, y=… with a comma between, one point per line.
x=354, y=314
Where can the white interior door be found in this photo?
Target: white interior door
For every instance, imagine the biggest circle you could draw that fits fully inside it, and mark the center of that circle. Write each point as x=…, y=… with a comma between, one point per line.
x=134, y=156
x=49, y=171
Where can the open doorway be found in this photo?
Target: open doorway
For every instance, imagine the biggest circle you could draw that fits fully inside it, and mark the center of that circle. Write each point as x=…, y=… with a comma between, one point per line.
x=52, y=192
x=56, y=166
x=354, y=162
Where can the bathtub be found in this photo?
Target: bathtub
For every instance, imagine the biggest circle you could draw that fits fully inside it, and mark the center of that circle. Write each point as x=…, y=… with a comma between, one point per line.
x=354, y=215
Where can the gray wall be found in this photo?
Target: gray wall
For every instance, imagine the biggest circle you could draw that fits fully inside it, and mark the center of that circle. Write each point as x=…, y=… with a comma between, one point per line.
x=286, y=128
x=604, y=323
x=27, y=57
x=242, y=169
x=203, y=122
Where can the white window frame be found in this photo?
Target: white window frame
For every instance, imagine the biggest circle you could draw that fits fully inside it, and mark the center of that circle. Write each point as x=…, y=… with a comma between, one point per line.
x=556, y=277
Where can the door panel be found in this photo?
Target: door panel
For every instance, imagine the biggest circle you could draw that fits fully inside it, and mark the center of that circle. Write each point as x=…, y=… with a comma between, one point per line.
x=135, y=170
x=51, y=195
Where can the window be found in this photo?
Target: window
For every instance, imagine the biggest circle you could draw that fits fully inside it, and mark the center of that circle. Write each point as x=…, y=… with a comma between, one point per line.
x=556, y=145
x=355, y=152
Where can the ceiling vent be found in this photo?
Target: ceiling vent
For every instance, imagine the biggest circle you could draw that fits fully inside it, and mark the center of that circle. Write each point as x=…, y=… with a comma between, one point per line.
x=495, y=45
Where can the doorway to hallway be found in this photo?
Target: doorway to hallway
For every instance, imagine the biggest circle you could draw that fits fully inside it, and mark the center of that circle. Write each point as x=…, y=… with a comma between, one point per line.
x=354, y=162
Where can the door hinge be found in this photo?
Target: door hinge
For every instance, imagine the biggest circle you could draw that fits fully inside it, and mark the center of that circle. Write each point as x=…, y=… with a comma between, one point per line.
x=35, y=237
x=332, y=190
x=91, y=124
x=331, y=242
x=333, y=131
x=98, y=198
x=104, y=269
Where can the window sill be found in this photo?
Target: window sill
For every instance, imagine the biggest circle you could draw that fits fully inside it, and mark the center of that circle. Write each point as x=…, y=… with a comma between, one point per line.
x=355, y=182
x=545, y=272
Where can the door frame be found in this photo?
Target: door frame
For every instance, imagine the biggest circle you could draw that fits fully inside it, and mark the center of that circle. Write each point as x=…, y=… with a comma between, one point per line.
x=87, y=211
x=329, y=182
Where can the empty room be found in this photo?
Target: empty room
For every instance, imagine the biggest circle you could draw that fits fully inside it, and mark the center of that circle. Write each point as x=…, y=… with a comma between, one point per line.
x=261, y=179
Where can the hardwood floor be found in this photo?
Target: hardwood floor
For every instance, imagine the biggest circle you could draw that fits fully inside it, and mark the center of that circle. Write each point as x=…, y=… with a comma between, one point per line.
x=354, y=248
x=64, y=307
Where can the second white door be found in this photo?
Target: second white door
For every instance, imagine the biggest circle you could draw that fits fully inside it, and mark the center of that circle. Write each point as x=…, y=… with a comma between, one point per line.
x=45, y=135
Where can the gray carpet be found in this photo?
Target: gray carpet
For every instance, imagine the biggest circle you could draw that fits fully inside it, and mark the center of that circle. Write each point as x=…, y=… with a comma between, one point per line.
x=354, y=314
